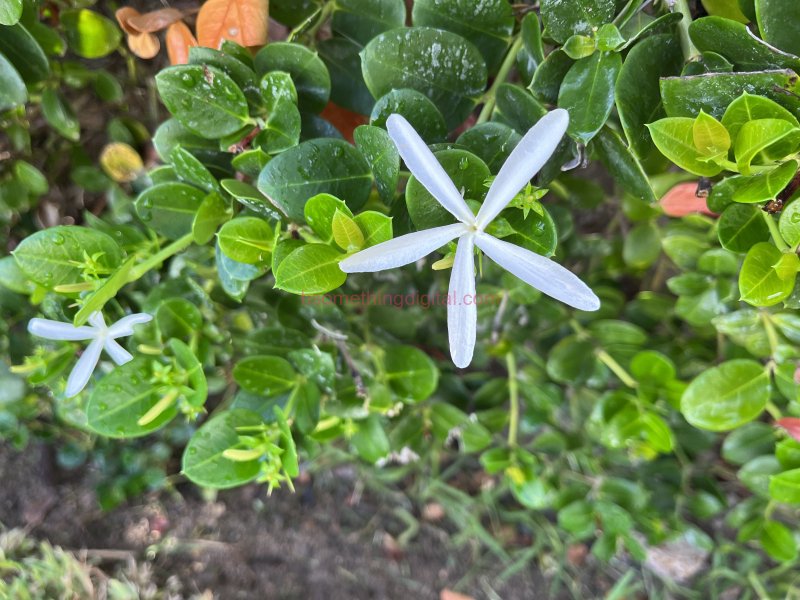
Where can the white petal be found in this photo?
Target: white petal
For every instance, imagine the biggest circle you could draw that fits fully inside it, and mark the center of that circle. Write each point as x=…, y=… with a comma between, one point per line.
x=125, y=325
x=401, y=251
x=83, y=368
x=96, y=320
x=424, y=166
x=462, y=313
x=542, y=273
x=56, y=330
x=117, y=353
x=535, y=148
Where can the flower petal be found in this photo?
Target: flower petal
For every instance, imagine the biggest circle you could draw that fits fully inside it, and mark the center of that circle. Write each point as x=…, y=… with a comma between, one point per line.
x=535, y=148
x=401, y=251
x=96, y=320
x=117, y=353
x=424, y=166
x=540, y=272
x=125, y=325
x=462, y=313
x=83, y=369
x=56, y=330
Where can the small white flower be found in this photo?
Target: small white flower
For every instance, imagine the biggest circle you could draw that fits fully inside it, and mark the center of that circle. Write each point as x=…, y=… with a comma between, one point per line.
x=538, y=271
x=102, y=338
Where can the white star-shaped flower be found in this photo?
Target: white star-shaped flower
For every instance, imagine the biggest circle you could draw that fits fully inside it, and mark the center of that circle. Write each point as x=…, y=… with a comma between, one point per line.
x=102, y=337
x=538, y=271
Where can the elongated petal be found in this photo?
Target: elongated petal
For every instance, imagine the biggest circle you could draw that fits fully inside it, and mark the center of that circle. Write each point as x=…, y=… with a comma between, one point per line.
x=424, y=166
x=401, y=251
x=96, y=320
x=83, y=369
x=533, y=150
x=542, y=273
x=462, y=314
x=117, y=353
x=125, y=325
x=56, y=330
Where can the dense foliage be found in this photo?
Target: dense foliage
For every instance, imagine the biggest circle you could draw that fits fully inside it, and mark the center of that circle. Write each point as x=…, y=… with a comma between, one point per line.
x=669, y=409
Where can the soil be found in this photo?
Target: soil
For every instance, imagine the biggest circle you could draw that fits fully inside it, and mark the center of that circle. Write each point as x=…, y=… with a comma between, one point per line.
x=322, y=542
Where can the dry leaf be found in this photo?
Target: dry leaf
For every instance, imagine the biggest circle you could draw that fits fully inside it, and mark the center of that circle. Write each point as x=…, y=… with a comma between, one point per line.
x=179, y=40
x=144, y=45
x=124, y=15
x=121, y=162
x=791, y=425
x=682, y=200
x=344, y=120
x=241, y=21
x=155, y=21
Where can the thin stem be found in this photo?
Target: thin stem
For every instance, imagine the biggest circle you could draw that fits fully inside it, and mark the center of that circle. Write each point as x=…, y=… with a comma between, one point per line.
x=159, y=257
x=609, y=361
x=689, y=50
x=502, y=75
x=772, y=335
x=777, y=238
x=513, y=391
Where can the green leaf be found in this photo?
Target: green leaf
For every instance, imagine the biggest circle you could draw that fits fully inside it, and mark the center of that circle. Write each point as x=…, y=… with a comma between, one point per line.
x=711, y=139
x=190, y=170
x=348, y=89
x=488, y=24
x=410, y=372
x=445, y=67
x=713, y=92
x=10, y=11
x=122, y=397
x=548, y=77
x=579, y=46
x=203, y=462
x=571, y=361
x=362, y=20
x=491, y=142
x=12, y=278
x=740, y=227
x=247, y=240
x=642, y=246
x=764, y=186
x=53, y=257
x=418, y=110
x=170, y=208
x=748, y=442
x=203, y=99
x=537, y=232
x=562, y=19
x=265, y=375
x=317, y=166
x=60, y=115
x=769, y=138
x=196, y=392
x=370, y=441
x=759, y=283
x=587, y=93
x=377, y=227
x=90, y=34
x=735, y=42
x=319, y=212
x=241, y=73
x=289, y=456
x=310, y=269
x=778, y=541
x=310, y=75
x=674, y=137
x=728, y=396
x=213, y=211
x=234, y=277
x=467, y=171
x=623, y=165
x=789, y=223
x=281, y=129
x=382, y=156
x=178, y=318
x=12, y=89
x=749, y=107
x=24, y=53
x=517, y=108
x=785, y=487
x=779, y=23
x=250, y=197
x=346, y=232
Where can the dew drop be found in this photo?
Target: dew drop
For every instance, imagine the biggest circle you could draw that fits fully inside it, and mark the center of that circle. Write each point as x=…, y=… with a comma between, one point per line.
x=57, y=239
x=795, y=218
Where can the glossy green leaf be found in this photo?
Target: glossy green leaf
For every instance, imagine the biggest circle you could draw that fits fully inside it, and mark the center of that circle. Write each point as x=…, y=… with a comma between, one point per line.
x=192, y=171
x=370, y=441
x=170, y=208
x=20, y=48
x=377, y=227
x=711, y=139
x=491, y=142
x=309, y=73
x=383, y=158
x=749, y=107
x=779, y=24
x=418, y=110
x=12, y=89
x=211, y=213
x=674, y=137
x=766, y=138
x=548, y=77
x=265, y=375
x=281, y=129
x=346, y=233
x=178, y=318
x=517, y=108
x=10, y=11
x=59, y=114
x=246, y=240
x=362, y=20
x=778, y=541
x=764, y=186
x=759, y=283
x=250, y=197
x=726, y=396
x=90, y=34
x=740, y=227
x=319, y=212
x=310, y=269
x=785, y=487
x=562, y=19
x=410, y=372
x=241, y=73
x=348, y=89
x=789, y=223
x=445, y=67
x=537, y=232
x=623, y=165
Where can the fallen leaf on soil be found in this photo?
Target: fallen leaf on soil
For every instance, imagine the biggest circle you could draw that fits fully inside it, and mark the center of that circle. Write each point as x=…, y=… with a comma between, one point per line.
x=446, y=594
x=682, y=200
x=791, y=425
x=241, y=21
x=124, y=15
x=121, y=162
x=155, y=21
x=144, y=45
x=677, y=560
x=433, y=511
x=179, y=40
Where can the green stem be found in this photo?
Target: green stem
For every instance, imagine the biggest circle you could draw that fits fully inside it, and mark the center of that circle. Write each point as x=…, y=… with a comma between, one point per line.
x=159, y=257
x=616, y=368
x=772, y=335
x=513, y=391
x=502, y=75
x=777, y=238
x=318, y=17
x=689, y=50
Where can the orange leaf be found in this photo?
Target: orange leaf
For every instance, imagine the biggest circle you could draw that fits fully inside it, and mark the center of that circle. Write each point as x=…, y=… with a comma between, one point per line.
x=124, y=15
x=144, y=45
x=179, y=40
x=155, y=21
x=683, y=200
x=241, y=21
x=344, y=120
x=791, y=425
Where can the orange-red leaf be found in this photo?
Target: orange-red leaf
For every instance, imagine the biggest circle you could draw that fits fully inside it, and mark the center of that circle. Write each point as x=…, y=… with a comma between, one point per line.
x=344, y=120
x=144, y=45
x=683, y=200
x=241, y=21
x=791, y=425
x=155, y=20
x=179, y=40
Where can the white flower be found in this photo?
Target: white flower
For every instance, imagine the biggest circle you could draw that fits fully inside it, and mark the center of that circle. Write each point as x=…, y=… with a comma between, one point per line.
x=538, y=271
x=102, y=338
